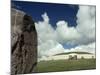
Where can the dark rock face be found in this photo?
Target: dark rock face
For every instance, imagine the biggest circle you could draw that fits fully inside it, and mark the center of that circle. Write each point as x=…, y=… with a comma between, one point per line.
x=23, y=43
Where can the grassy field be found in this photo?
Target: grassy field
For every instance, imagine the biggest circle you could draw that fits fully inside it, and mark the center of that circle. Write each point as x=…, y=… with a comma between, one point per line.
x=65, y=65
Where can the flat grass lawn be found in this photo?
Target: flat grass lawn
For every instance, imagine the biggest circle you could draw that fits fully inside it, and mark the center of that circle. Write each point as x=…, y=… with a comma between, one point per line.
x=65, y=65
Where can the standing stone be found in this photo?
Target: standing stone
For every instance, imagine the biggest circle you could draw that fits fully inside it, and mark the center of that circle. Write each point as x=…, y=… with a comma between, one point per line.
x=23, y=43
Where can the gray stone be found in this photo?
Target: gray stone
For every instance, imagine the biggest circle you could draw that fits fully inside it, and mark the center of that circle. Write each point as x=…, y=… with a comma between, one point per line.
x=23, y=43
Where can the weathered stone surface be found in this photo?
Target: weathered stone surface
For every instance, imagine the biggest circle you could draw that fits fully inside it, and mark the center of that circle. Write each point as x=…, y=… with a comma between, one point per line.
x=23, y=43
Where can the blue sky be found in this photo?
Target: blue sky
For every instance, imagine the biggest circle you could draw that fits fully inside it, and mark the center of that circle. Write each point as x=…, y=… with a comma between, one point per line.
x=55, y=11
x=61, y=27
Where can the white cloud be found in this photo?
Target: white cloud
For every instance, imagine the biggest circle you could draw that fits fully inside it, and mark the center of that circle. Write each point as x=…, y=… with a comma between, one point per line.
x=47, y=44
x=83, y=48
x=44, y=30
x=83, y=34
x=45, y=17
x=49, y=48
x=66, y=33
x=86, y=24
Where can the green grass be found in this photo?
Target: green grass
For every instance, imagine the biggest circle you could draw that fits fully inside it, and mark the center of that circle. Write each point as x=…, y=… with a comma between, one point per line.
x=65, y=65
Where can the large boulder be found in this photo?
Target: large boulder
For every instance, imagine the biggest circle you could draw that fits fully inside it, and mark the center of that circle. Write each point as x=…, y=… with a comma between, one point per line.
x=23, y=43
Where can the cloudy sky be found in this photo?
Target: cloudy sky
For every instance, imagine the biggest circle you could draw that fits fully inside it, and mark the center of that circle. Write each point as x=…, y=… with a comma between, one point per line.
x=62, y=27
